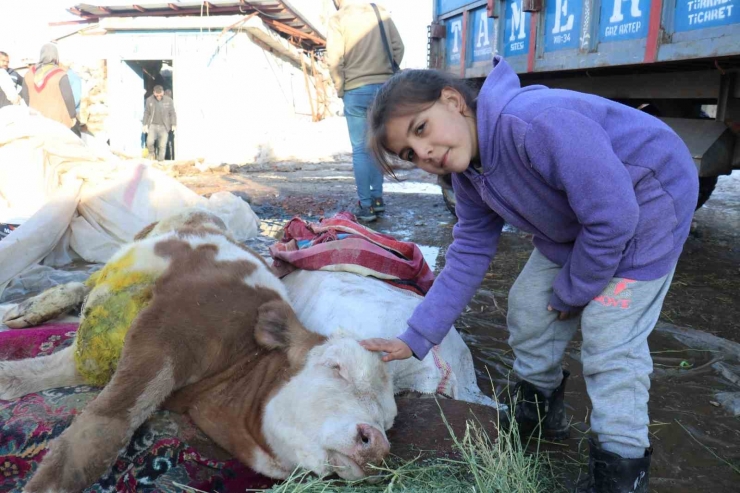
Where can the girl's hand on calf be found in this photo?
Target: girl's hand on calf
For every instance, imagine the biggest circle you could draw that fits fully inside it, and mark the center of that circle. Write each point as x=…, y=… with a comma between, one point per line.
x=395, y=348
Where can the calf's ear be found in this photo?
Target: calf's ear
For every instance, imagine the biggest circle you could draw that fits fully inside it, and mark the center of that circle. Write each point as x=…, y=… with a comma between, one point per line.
x=273, y=324
x=333, y=359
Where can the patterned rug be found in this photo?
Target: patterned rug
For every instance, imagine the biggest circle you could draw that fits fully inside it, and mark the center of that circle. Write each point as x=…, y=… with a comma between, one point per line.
x=160, y=457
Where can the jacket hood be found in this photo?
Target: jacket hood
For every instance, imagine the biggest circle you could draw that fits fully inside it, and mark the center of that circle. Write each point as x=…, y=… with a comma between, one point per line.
x=501, y=86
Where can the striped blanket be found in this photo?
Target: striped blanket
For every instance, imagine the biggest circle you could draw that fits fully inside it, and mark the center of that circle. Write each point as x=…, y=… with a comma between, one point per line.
x=339, y=243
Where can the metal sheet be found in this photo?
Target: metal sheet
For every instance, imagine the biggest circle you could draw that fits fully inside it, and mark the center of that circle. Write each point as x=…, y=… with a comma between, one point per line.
x=482, y=37
x=454, y=40
x=584, y=34
x=278, y=11
x=670, y=85
x=444, y=6
x=624, y=19
x=562, y=24
x=516, y=30
x=711, y=143
x=701, y=14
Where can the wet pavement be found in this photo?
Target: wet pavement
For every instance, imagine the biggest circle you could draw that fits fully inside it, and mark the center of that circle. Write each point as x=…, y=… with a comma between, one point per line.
x=695, y=348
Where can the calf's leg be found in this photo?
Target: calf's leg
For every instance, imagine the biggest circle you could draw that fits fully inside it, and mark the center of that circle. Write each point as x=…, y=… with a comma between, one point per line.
x=18, y=378
x=46, y=306
x=84, y=452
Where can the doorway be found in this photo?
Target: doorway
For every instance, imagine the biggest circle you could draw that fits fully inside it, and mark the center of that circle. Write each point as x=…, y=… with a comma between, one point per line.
x=130, y=83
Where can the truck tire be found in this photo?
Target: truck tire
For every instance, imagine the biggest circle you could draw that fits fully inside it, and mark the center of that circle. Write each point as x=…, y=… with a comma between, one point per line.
x=706, y=187
x=448, y=194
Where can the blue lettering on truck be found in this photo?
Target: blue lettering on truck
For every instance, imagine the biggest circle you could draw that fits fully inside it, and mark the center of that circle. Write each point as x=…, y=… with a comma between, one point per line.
x=516, y=30
x=454, y=40
x=624, y=19
x=481, y=36
x=700, y=14
x=562, y=24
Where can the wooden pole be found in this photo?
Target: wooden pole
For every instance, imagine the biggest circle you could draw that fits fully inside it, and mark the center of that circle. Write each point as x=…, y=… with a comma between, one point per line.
x=308, y=87
x=320, y=89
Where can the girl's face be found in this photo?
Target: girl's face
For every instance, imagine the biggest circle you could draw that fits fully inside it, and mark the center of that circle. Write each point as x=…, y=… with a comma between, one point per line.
x=441, y=139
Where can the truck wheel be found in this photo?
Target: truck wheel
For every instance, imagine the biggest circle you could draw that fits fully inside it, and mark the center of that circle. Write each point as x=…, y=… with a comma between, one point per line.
x=448, y=194
x=706, y=187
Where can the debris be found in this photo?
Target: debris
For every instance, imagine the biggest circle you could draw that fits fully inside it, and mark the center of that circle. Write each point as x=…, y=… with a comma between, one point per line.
x=6, y=229
x=730, y=401
x=727, y=371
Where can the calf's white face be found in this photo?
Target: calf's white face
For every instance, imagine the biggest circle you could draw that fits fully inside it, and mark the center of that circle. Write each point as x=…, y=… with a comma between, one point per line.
x=332, y=416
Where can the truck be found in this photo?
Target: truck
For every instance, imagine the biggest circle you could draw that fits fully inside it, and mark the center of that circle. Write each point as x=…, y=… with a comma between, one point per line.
x=676, y=59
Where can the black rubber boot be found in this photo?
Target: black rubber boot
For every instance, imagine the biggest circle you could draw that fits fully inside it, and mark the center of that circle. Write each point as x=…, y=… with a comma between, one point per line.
x=610, y=473
x=534, y=409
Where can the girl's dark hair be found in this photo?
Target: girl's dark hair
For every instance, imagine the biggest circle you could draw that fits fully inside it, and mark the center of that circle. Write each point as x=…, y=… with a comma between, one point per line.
x=408, y=92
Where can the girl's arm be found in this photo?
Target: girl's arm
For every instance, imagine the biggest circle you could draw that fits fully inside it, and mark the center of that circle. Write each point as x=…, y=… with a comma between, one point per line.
x=476, y=236
x=574, y=154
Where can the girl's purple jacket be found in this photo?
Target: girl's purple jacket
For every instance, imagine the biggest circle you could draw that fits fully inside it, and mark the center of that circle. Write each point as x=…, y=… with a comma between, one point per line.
x=606, y=190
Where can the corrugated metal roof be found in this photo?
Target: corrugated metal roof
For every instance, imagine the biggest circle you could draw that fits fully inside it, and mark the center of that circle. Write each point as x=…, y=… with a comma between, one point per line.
x=278, y=14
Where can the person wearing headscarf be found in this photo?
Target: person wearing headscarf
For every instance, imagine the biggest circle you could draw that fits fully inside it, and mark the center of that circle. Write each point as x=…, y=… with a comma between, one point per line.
x=46, y=88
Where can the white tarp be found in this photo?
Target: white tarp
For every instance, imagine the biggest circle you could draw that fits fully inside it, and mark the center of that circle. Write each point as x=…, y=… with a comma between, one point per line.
x=74, y=201
x=326, y=302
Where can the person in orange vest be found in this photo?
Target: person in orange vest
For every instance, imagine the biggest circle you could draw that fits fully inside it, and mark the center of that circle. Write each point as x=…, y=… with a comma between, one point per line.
x=46, y=88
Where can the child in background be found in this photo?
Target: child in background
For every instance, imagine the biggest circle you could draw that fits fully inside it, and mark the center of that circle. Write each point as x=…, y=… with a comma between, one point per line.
x=608, y=193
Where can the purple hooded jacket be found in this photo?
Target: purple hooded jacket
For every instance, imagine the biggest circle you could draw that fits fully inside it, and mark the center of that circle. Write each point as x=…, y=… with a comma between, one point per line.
x=606, y=190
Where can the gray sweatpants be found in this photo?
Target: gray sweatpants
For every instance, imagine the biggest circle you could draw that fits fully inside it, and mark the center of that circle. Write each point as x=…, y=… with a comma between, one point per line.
x=615, y=354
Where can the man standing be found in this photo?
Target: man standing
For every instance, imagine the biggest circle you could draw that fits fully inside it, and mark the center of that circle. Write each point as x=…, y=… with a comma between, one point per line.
x=10, y=82
x=46, y=88
x=15, y=76
x=159, y=119
x=76, y=84
x=360, y=63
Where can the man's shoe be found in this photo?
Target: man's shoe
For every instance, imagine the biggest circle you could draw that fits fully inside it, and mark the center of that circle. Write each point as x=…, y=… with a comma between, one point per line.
x=610, y=473
x=378, y=205
x=537, y=415
x=364, y=214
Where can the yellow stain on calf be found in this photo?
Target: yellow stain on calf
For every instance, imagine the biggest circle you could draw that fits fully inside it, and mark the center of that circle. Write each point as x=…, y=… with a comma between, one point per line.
x=123, y=293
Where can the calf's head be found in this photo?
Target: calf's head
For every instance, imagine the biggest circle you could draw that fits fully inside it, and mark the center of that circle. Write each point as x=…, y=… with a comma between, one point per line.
x=332, y=415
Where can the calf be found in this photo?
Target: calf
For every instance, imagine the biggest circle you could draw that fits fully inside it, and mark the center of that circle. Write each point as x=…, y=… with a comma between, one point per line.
x=188, y=319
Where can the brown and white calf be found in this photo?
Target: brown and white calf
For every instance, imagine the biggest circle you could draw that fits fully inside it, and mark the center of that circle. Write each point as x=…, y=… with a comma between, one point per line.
x=215, y=338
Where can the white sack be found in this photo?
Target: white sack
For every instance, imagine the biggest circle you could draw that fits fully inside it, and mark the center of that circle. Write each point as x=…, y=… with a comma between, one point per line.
x=75, y=201
x=326, y=302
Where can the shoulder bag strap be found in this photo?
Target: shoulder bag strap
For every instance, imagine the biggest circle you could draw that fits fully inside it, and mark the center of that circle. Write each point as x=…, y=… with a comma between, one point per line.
x=394, y=65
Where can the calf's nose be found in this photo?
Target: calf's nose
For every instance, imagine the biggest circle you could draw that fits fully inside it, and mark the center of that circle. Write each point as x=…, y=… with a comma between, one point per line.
x=373, y=441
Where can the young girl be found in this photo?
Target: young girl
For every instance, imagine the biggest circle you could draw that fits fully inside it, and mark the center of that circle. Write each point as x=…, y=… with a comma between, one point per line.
x=608, y=193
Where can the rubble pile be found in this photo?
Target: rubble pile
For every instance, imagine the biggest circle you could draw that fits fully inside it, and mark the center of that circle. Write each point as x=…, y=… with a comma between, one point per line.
x=94, y=108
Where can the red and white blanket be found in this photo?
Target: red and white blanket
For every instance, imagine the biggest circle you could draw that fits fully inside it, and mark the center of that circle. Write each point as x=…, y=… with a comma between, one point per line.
x=339, y=243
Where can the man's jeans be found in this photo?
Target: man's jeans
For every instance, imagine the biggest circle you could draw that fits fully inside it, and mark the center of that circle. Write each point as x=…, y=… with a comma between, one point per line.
x=368, y=177
x=158, y=134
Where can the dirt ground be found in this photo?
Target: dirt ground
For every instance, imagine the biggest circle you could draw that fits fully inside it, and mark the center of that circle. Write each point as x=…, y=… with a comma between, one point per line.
x=695, y=437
